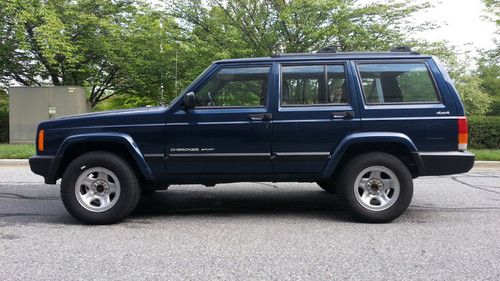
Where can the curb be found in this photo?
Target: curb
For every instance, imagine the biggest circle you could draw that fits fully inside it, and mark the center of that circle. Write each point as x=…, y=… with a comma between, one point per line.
x=478, y=165
x=14, y=162
x=488, y=165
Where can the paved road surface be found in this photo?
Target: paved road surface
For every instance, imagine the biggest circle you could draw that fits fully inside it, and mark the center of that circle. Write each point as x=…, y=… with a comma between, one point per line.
x=257, y=231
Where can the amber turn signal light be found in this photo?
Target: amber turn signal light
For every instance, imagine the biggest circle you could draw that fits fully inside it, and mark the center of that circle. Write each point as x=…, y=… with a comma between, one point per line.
x=41, y=140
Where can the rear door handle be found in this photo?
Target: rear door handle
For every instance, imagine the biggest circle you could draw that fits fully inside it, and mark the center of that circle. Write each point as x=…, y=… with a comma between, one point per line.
x=343, y=115
x=261, y=117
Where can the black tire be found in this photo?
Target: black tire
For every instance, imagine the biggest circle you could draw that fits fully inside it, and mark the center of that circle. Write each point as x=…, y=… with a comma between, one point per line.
x=129, y=187
x=347, y=180
x=327, y=185
x=148, y=188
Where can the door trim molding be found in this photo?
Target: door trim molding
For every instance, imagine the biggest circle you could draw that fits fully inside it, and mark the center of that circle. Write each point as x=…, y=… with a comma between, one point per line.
x=180, y=155
x=153, y=155
x=267, y=155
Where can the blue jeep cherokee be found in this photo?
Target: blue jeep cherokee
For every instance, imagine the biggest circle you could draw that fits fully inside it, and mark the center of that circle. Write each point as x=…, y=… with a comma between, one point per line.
x=362, y=125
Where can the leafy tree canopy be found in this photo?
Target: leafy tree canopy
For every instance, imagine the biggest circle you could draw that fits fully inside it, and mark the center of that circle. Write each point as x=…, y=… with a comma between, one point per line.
x=128, y=53
x=262, y=28
x=110, y=46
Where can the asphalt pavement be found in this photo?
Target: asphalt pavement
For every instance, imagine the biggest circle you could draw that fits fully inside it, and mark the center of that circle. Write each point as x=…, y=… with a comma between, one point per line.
x=253, y=231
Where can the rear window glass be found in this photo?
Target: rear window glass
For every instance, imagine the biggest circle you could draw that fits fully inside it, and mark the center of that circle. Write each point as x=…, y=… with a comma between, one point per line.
x=313, y=85
x=397, y=83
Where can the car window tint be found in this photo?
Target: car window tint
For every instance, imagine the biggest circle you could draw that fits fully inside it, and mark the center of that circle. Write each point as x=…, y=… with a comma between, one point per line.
x=240, y=87
x=313, y=85
x=397, y=83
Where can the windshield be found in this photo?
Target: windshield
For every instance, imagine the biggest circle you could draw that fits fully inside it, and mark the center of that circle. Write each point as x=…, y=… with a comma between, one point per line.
x=190, y=85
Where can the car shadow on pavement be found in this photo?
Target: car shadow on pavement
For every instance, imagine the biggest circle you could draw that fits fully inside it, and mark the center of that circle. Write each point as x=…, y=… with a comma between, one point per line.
x=228, y=200
x=239, y=202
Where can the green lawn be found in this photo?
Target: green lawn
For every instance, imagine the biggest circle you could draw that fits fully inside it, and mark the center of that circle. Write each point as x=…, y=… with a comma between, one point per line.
x=487, y=154
x=23, y=151
x=16, y=151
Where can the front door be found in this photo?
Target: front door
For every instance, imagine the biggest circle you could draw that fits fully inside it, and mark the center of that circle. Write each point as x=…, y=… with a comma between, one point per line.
x=229, y=131
x=315, y=113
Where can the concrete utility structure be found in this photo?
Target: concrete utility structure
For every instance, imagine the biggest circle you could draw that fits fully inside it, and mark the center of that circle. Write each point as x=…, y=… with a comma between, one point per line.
x=28, y=106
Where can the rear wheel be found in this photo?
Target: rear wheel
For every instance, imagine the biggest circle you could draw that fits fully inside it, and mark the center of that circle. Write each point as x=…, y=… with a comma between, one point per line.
x=100, y=188
x=375, y=187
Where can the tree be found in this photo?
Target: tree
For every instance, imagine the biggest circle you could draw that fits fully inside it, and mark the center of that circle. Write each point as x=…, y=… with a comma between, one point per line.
x=109, y=46
x=466, y=79
x=4, y=101
x=489, y=62
x=243, y=28
x=262, y=28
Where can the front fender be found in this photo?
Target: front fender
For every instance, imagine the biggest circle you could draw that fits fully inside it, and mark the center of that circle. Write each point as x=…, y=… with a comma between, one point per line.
x=119, y=138
x=365, y=137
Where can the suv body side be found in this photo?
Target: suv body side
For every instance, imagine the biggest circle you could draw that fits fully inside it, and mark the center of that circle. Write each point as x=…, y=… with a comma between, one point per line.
x=307, y=143
x=272, y=142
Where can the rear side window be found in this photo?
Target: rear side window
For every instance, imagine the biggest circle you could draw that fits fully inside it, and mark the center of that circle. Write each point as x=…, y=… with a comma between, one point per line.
x=313, y=85
x=397, y=83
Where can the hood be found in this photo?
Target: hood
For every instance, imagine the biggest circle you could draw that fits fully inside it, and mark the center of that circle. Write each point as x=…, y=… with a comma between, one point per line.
x=112, y=112
x=108, y=118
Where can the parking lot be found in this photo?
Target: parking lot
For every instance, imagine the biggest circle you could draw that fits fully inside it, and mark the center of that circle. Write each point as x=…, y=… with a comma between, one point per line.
x=253, y=231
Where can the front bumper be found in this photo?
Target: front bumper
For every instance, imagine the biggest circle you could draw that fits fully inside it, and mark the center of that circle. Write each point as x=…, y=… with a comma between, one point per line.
x=41, y=165
x=443, y=163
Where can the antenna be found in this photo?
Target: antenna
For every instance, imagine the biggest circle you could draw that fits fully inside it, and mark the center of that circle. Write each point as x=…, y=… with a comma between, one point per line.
x=176, y=60
x=162, y=88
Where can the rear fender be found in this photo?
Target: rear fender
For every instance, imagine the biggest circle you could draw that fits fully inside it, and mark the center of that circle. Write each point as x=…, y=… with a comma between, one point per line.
x=366, y=137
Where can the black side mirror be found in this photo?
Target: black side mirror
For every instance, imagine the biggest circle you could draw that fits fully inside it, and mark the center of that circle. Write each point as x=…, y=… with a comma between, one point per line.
x=189, y=101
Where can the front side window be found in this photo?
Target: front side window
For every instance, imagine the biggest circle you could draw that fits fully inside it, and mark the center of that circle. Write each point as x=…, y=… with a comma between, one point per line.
x=235, y=87
x=313, y=85
x=397, y=83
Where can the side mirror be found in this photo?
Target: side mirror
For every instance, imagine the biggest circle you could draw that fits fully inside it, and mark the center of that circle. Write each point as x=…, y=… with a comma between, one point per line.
x=189, y=101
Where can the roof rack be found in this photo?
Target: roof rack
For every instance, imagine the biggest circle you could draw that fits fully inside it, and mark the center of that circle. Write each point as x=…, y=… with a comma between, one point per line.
x=333, y=51
x=328, y=49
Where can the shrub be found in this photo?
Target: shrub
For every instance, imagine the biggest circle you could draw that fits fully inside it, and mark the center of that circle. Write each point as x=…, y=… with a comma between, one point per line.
x=4, y=126
x=484, y=132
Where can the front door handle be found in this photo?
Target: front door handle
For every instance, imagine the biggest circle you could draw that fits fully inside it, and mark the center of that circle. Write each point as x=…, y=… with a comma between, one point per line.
x=343, y=115
x=261, y=117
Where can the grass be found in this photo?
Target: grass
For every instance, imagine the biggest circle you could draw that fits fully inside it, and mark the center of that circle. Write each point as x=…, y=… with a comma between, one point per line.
x=16, y=151
x=487, y=154
x=24, y=151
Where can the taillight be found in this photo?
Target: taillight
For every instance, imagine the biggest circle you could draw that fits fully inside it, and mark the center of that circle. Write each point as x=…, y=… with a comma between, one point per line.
x=463, y=133
x=41, y=140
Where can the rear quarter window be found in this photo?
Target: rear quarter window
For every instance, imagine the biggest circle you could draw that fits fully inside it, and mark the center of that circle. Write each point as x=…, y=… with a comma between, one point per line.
x=384, y=83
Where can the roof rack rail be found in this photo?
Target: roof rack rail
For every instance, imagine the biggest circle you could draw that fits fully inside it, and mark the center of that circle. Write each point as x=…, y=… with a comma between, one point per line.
x=404, y=49
x=328, y=49
x=277, y=55
x=331, y=51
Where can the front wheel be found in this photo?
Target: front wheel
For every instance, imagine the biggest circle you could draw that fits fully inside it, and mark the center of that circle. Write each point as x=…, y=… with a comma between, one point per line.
x=376, y=187
x=99, y=188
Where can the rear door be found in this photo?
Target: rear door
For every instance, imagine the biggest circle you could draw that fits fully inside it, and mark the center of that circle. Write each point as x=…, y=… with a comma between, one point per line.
x=315, y=112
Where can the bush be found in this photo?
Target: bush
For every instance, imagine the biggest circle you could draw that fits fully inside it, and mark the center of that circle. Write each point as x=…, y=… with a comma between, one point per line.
x=484, y=132
x=4, y=126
